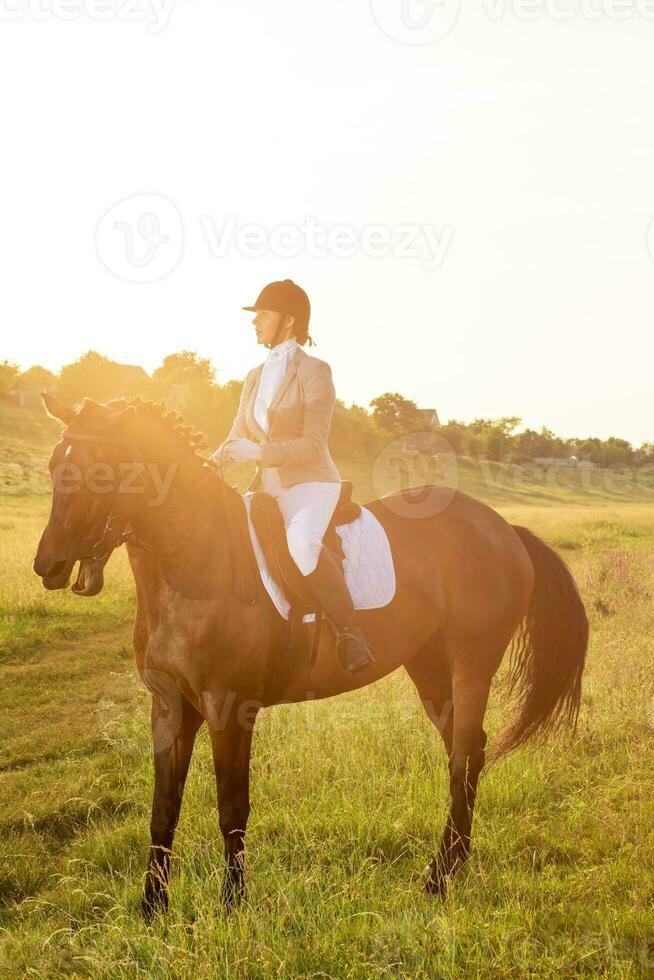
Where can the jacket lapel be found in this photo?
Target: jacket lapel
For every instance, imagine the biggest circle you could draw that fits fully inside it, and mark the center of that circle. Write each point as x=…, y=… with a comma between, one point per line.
x=290, y=373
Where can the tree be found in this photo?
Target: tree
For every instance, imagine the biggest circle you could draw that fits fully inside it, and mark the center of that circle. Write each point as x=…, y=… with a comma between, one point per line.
x=353, y=432
x=185, y=368
x=526, y=445
x=397, y=415
x=186, y=383
x=617, y=452
x=215, y=415
x=38, y=377
x=85, y=376
x=95, y=376
x=495, y=435
x=455, y=434
x=8, y=377
x=590, y=449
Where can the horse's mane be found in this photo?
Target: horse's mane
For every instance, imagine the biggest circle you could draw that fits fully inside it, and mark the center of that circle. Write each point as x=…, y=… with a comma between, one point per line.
x=170, y=423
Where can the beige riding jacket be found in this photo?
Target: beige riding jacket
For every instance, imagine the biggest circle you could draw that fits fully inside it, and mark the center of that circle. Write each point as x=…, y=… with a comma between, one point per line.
x=299, y=417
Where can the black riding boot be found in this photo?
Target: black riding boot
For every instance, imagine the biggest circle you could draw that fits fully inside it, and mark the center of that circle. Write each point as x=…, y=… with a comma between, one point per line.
x=327, y=582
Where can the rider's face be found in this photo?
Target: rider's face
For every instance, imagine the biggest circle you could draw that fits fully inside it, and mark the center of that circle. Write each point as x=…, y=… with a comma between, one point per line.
x=266, y=323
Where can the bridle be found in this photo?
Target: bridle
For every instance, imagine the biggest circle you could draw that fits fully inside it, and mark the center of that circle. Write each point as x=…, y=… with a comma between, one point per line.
x=115, y=534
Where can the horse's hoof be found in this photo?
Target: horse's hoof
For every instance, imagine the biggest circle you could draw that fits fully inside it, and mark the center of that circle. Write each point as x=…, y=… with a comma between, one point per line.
x=147, y=911
x=151, y=906
x=433, y=881
x=232, y=897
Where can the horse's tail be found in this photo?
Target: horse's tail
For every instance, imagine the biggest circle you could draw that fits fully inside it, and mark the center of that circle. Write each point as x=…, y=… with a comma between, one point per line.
x=548, y=652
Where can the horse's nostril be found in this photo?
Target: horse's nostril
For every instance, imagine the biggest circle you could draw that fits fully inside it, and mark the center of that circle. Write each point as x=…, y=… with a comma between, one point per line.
x=49, y=571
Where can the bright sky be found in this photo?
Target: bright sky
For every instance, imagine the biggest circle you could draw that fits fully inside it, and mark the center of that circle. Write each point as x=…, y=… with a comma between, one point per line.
x=516, y=153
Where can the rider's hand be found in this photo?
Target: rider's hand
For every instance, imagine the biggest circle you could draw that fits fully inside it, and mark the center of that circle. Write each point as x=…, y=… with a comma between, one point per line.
x=239, y=451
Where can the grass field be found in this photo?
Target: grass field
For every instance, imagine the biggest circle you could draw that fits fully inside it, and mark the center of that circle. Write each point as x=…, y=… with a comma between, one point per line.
x=349, y=798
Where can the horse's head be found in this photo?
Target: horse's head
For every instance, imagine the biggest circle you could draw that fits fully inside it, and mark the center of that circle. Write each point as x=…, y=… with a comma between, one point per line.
x=112, y=465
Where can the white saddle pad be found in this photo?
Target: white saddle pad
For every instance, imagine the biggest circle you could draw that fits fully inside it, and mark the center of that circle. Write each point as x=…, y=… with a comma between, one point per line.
x=368, y=565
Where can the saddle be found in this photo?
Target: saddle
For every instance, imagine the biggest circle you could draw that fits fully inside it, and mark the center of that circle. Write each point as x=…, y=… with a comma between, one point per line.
x=268, y=524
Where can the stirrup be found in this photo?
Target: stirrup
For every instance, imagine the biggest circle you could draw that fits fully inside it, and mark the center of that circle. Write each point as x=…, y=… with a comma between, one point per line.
x=362, y=658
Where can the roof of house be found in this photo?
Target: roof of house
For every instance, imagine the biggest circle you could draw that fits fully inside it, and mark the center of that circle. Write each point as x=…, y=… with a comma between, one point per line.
x=134, y=369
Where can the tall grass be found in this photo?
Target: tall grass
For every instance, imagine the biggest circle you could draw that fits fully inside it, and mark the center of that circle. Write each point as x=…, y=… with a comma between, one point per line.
x=349, y=797
x=30, y=617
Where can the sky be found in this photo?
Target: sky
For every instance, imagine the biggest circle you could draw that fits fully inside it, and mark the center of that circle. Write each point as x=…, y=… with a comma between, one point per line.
x=465, y=193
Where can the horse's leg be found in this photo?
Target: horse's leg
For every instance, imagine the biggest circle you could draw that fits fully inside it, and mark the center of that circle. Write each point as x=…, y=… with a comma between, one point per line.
x=175, y=723
x=429, y=670
x=231, y=745
x=470, y=688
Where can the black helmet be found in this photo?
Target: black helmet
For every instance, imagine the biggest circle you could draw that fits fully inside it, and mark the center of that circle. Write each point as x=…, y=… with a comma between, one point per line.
x=285, y=296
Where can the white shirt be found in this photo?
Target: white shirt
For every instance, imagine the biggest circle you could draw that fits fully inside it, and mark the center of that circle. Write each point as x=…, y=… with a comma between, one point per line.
x=272, y=373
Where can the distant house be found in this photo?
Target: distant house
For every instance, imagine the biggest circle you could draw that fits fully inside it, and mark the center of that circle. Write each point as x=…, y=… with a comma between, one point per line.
x=122, y=380
x=26, y=390
x=429, y=417
x=131, y=379
x=25, y=395
x=416, y=441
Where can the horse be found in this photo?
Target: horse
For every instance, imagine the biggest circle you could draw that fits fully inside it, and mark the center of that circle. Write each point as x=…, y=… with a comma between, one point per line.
x=209, y=643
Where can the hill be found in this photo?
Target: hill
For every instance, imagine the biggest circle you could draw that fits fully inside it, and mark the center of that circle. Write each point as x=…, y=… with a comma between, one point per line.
x=26, y=439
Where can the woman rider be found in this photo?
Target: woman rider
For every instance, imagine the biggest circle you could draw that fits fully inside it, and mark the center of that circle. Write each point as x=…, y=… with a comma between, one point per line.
x=282, y=423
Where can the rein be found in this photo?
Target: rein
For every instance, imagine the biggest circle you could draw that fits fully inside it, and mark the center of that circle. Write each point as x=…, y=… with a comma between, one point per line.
x=164, y=507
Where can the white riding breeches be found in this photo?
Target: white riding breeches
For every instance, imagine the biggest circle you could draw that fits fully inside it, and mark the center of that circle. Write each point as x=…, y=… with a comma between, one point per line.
x=307, y=509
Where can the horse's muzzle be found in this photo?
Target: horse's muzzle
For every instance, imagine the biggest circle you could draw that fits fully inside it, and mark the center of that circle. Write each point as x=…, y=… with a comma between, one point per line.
x=55, y=575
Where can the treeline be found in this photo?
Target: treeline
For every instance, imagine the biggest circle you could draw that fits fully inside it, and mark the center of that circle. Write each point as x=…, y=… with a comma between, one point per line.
x=498, y=439
x=187, y=384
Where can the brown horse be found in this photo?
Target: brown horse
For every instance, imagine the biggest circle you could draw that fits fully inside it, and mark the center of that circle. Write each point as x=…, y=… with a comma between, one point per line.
x=207, y=636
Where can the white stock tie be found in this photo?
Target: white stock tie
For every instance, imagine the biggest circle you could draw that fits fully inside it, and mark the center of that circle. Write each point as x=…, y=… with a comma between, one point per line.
x=272, y=373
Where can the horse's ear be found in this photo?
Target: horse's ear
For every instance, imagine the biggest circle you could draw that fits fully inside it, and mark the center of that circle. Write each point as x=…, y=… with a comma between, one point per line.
x=57, y=409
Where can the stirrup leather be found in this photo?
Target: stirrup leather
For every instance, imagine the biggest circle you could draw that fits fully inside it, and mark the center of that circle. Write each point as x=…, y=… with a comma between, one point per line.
x=343, y=635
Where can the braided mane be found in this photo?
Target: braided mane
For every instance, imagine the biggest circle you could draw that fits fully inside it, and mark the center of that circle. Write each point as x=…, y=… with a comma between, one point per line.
x=169, y=422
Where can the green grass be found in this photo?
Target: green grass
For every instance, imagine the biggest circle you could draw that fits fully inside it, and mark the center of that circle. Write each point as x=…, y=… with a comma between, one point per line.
x=349, y=797
x=26, y=439
x=30, y=617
